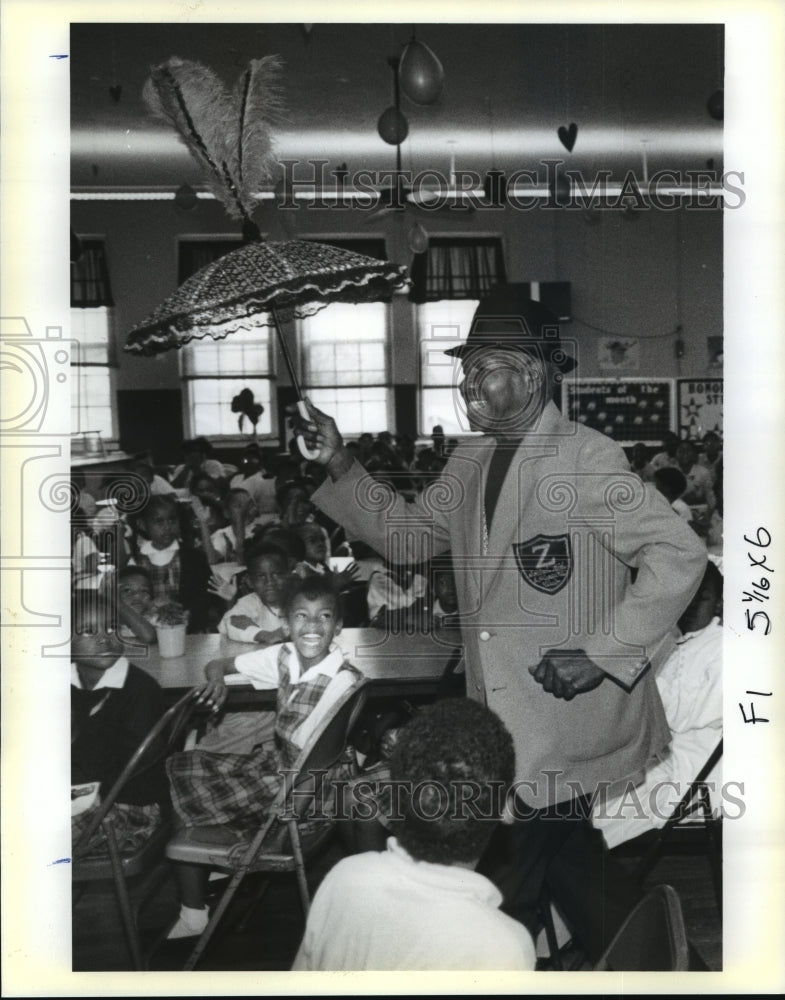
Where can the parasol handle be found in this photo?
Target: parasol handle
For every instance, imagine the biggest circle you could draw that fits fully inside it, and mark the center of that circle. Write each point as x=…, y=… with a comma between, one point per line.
x=302, y=409
x=305, y=451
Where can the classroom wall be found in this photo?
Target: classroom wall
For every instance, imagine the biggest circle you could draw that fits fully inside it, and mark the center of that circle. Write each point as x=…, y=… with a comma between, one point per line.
x=634, y=276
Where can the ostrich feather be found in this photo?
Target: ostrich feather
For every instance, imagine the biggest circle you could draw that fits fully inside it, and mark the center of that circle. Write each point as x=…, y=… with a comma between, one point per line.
x=258, y=104
x=193, y=99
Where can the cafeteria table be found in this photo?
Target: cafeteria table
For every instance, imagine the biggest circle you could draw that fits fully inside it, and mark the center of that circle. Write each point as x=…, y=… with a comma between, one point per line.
x=395, y=664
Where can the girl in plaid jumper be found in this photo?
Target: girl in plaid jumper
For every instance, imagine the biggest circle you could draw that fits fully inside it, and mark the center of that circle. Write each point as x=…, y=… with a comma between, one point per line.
x=177, y=572
x=237, y=790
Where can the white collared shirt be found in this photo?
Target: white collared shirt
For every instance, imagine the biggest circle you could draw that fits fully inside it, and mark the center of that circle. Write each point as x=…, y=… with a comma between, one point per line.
x=261, y=668
x=111, y=679
x=158, y=557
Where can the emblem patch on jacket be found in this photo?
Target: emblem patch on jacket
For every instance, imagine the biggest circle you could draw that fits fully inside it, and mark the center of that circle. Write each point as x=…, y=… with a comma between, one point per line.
x=545, y=562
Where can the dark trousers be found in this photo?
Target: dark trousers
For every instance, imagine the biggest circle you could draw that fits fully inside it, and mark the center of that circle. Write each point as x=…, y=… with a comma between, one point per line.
x=559, y=847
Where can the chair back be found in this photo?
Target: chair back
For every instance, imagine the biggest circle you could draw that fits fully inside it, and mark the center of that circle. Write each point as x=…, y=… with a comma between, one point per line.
x=651, y=939
x=162, y=739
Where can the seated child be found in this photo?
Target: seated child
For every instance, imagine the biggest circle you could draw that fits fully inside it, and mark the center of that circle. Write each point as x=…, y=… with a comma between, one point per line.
x=157, y=484
x=177, y=572
x=113, y=706
x=672, y=483
x=251, y=476
x=420, y=904
x=317, y=553
x=690, y=686
x=135, y=605
x=241, y=515
x=317, y=548
x=236, y=790
x=445, y=605
x=257, y=616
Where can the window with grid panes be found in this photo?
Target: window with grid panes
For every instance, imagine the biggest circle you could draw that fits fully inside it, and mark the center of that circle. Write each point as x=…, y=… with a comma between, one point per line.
x=442, y=325
x=92, y=332
x=215, y=371
x=345, y=367
x=92, y=374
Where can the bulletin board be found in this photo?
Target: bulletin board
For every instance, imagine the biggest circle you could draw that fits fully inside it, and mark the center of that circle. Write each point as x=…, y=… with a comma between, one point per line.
x=627, y=410
x=699, y=403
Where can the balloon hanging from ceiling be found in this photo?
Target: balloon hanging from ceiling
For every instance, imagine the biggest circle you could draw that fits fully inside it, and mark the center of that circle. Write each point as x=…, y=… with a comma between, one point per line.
x=420, y=73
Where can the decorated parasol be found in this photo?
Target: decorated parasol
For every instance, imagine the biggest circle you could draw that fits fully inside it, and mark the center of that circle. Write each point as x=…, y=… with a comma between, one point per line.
x=260, y=283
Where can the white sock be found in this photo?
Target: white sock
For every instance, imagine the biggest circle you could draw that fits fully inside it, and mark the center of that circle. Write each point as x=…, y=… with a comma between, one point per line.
x=190, y=923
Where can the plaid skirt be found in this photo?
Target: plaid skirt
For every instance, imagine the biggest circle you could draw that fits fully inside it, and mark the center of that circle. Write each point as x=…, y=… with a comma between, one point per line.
x=235, y=790
x=133, y=825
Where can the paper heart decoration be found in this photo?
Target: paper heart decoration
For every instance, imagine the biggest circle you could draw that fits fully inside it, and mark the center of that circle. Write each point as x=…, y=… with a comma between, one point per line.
x=567, y=136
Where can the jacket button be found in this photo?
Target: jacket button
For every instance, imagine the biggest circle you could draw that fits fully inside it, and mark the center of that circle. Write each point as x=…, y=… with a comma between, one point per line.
x=485, y=636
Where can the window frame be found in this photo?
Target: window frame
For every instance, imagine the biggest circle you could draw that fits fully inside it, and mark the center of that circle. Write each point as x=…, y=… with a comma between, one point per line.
x=186, y=379
x=109, y=368
x=80, y=423
x=386, y=385
x=423, y=348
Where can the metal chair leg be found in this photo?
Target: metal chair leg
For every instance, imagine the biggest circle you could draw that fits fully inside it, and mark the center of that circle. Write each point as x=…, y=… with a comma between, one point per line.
x=258, y=896
x=123, y=900
x=299, y=861
x=219, y=911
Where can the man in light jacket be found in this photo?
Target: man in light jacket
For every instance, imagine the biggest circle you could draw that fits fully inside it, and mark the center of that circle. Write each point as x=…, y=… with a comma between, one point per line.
x=570, y=573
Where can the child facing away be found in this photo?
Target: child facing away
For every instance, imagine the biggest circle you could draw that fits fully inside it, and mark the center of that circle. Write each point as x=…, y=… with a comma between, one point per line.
x=113, y=706
x=236, y=790
x=420, y=904
x=177, y=572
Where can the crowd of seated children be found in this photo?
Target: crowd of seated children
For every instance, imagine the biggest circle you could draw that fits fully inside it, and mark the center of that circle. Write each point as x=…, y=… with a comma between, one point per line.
x=670, y=442
x=236, y=790
x=690, y=686
x=689, y=480
x=419, y=903
x=113, y=706
x=699, y=490
x=197, y=457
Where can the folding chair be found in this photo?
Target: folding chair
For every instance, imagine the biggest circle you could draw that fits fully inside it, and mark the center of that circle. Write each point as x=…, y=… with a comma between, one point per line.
x=123, y=864
x=651, y=939
x=280, y=844
x=696, y=799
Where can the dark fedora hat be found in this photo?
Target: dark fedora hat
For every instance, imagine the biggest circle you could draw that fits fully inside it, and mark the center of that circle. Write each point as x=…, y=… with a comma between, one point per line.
x=507, y=317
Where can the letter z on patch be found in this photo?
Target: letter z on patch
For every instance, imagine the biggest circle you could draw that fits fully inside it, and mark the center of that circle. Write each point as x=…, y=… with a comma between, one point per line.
x=545, y=562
